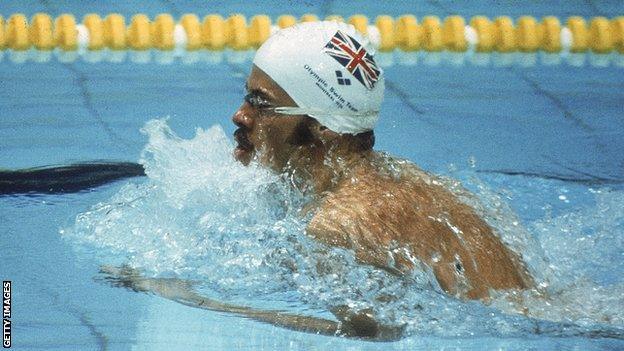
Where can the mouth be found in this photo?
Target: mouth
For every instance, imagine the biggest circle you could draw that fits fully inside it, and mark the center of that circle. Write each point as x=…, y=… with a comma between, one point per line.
x=244, y=147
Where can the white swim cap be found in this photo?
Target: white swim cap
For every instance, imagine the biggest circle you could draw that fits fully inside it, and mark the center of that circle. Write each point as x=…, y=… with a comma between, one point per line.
x=328, y=69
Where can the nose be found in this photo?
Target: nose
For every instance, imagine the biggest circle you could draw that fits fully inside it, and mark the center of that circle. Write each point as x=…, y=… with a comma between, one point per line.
x=242, y=117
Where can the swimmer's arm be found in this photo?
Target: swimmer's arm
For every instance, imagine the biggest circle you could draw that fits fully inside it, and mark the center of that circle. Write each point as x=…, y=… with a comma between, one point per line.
x=360, y=325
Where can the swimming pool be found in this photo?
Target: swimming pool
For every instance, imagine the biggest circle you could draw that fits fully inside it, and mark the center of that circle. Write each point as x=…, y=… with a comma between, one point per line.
x=541, y=145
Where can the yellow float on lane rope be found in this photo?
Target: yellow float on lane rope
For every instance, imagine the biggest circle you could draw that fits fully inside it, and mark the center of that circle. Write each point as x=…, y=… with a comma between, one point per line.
x=41, y=34
x=2, y=35
x=385, y=25
x=162, y=32
x=192, y=28
x=17, y=33
x=236, y=32
x=408, y=35
x=432, y=34
x=115, y=32
x=528, y=36
x=66, y=33
x=213, y=32
x=259, y=30
x=453, y=33
x=138, y=35
x=95, y=27
x=308, y=17
x=286, y=21
x=485, y=33
x=360, y=22
x=578, y=28
x=617, y=27
x=600, y=35
x=551, y=34
x=505, y=34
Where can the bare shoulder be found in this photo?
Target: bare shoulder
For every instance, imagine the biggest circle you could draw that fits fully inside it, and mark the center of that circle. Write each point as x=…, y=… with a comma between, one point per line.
x=380, y=214
x=367, y=213
x=381, y=201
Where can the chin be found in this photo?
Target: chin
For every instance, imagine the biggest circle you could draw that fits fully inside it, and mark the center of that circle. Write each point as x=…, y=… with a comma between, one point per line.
x=243, y=155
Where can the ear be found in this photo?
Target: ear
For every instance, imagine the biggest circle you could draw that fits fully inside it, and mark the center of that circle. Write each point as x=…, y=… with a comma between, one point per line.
x=320, y=132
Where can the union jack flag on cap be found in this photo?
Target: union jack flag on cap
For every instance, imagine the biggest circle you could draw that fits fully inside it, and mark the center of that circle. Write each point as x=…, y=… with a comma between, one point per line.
x=352, y=56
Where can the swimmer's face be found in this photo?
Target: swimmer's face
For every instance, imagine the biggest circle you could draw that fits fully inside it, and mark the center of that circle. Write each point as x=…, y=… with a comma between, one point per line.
x=272, y=137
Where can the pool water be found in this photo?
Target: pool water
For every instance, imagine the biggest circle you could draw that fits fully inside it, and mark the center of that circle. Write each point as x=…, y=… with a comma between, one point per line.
x=541, y=146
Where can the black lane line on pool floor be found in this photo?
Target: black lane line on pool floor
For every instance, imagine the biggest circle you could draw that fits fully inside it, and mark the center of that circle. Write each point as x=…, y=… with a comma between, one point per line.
x=591, y=180
x=554, y=99
x=561, y=106
x=87, y=99
x=75, y=311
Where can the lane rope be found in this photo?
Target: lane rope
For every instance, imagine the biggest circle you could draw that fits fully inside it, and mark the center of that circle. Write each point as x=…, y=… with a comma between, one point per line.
x=453, y=33
x=113, y=34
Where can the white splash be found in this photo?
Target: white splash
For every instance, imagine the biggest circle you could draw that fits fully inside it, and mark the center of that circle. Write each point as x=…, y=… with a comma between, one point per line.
x=239, y=230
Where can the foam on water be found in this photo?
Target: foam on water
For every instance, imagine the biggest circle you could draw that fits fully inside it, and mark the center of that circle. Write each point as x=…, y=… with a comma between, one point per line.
x=585, y=251
x=239, y=231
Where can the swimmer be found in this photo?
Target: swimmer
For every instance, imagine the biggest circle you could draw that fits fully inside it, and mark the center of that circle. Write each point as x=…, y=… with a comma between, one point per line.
x=313, y=97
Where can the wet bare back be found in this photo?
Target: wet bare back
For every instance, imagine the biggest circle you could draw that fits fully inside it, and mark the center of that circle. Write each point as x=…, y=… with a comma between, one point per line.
x=387, y=219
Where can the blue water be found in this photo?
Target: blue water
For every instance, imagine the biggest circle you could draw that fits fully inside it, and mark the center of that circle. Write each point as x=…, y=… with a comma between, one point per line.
x=541, y=146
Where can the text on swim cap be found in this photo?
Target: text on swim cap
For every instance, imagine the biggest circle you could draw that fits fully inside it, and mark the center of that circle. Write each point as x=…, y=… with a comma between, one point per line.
x=329, y=90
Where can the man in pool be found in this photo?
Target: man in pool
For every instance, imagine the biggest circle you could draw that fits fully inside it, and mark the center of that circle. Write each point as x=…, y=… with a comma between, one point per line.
x=313, y=97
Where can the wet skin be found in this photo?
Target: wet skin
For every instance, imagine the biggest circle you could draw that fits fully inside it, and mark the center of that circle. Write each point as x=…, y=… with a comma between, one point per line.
x=271, y=137
x=391, y=214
